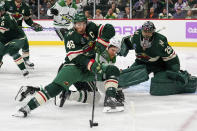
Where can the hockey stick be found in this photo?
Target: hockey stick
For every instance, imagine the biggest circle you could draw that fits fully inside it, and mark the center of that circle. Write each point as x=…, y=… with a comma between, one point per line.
x=163, y=28
x=32, y=28
x=93, y=86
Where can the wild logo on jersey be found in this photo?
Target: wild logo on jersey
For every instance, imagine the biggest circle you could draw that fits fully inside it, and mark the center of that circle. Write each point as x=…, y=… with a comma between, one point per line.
x=145, y=58
x=17, y=16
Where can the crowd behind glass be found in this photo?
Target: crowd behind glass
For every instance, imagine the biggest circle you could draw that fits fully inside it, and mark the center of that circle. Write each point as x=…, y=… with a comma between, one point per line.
x=125, y=9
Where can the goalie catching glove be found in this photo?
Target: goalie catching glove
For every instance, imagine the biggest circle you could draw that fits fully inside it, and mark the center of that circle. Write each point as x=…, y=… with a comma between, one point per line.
x=37, y=27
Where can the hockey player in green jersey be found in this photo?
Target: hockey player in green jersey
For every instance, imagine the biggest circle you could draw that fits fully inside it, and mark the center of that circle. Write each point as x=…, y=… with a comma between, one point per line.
x=21, y=11
x=84, y=90
x=62, y=12
x=12, y=39
x=155, y=54
x=81, y=43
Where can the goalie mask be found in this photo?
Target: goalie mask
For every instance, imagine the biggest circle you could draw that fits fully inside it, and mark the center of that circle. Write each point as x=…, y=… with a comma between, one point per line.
x=148, y=28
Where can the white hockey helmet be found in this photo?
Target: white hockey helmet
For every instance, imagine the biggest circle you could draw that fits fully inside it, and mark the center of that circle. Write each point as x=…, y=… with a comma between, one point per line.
x=115, y=41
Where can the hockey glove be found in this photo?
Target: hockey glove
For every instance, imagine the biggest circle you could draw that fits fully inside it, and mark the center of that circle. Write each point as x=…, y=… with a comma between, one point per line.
x=94, y=66
x=101, y=45
x=36, y=27
x=54, y=11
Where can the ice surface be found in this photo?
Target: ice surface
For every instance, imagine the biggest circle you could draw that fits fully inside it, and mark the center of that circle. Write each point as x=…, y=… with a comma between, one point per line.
x=143, y=112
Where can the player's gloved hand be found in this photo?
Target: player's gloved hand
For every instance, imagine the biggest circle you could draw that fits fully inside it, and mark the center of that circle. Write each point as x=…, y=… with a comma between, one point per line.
x=54, y=11
x=99, y=48
x=102, y=69
x=123, y=49
x=37, y=27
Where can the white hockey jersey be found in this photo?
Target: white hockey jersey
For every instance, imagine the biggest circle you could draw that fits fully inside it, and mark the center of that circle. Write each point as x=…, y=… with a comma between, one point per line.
x=65, y=14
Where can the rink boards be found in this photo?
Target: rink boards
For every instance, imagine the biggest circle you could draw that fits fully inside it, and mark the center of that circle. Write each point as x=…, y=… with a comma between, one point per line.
x=181, y=33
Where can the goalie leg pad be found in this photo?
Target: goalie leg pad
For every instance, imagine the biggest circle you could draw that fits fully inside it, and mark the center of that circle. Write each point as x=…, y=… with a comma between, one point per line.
x=192, y=85
x=133, y=75
x=161, y=85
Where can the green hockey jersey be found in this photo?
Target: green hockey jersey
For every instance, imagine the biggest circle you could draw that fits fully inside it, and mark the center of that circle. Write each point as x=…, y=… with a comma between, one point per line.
x=9, y=29
x=159, y=51
x=81, y=48
x=18, y=12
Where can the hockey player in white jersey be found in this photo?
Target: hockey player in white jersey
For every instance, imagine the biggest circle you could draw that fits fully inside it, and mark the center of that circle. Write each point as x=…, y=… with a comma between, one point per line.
x=63, y=12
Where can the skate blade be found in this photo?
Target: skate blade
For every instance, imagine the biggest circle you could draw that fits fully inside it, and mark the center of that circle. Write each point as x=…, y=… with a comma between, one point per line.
x=108, y=109
x=18, y=94
x=19, y=114
x=29, y=67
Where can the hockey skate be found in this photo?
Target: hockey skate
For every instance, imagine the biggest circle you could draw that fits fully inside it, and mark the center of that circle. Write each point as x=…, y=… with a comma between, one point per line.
x=29, y=64
x=120, y=96
x=25, y=72
x=112, y=104
x=25, y=91
x=22, y=112
x=60, y=100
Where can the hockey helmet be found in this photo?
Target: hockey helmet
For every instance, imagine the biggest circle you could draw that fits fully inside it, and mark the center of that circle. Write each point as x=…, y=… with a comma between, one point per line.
x=115, y=42
x=148, y=26
x=79, y=17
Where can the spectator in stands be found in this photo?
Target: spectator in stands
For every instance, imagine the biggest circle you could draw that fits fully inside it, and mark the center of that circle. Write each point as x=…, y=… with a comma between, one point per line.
x=110, y=14
x=98, y=14
x=115, y=9
x=33, y=16
x=157, y=5
x=110, y=2
x=34, y=6
x=127, y=13
x=170, y=6
x=189, y=15
x=179, y=14
x=192, y=3
x=122, y=4
x=139, y=9
x=181, y=4
x=164, y=15
x=44, y=4
x=87, y=14
x=152, y=14
x=43, y=14
x=81, y=5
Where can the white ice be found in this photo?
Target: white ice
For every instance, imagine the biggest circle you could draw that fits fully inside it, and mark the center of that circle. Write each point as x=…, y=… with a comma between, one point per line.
x=143, y=112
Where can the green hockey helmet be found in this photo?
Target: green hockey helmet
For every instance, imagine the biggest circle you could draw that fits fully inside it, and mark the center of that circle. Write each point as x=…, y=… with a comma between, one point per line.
x=79, y=17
